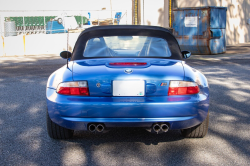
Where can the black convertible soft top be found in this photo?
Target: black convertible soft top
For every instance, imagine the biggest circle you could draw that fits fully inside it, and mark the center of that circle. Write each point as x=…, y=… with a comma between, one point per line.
x=126, y=30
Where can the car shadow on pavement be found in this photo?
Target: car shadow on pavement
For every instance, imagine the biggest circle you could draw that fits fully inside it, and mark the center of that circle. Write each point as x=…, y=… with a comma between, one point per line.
x=126, y=135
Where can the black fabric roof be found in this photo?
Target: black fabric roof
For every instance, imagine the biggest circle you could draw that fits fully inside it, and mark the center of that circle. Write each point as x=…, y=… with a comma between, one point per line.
x=126, y=30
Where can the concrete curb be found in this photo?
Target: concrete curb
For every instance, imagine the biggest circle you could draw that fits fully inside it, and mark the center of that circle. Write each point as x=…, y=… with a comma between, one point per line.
x=220, y=57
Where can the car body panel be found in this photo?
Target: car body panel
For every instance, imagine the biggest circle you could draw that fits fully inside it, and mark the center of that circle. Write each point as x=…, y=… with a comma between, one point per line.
x=156, y=71
x=83, y=110
x=63, y=74
x=194, y=75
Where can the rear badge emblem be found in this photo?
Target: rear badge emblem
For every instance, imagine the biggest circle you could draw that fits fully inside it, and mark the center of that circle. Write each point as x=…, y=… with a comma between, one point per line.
x=98, y=85
x=164, y=84
x=128, y=71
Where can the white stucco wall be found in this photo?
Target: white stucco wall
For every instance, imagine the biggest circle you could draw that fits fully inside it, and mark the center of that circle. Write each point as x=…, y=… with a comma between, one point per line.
x=37, y=44
x=154, y=12
x=64, y=4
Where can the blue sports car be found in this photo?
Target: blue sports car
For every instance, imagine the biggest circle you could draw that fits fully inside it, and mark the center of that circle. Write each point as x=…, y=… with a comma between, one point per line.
x=127, y=76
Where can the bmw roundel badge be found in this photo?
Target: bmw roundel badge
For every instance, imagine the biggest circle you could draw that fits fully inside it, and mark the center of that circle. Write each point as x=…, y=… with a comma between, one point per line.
x=128, y=71
x=98, y=85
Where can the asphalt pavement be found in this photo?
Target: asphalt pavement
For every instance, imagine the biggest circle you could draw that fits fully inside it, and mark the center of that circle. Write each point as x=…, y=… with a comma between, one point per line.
x=24, y=139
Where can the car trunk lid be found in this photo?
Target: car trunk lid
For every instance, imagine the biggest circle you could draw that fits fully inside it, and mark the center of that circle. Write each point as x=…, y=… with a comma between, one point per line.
x=106, y=75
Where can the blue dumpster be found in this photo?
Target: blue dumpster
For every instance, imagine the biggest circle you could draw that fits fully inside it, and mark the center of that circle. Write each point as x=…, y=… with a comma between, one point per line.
x=200, y=30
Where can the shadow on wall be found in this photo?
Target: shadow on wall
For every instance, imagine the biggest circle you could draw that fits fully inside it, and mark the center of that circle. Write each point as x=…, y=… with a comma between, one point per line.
x=237, y=30
x=161, y=17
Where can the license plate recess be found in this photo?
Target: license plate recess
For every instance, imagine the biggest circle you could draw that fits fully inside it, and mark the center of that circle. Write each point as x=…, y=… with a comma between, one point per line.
x=128, y=88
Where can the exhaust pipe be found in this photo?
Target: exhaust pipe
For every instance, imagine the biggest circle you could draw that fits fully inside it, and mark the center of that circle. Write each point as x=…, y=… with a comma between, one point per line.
x=99, y=128
x=164, y=127
x=156, y=128
x=92, y=128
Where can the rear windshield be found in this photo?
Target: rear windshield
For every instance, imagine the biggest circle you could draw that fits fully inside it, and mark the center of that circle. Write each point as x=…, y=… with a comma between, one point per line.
x=127, y=46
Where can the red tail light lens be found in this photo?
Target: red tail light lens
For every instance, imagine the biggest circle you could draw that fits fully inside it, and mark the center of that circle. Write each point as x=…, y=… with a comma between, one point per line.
x=73, y=88
x=128, y=63
x=182, y=88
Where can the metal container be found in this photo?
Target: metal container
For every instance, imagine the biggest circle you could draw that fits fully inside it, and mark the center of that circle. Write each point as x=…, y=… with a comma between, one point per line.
x=54, y=27
x=201, y=30
x=10, y=28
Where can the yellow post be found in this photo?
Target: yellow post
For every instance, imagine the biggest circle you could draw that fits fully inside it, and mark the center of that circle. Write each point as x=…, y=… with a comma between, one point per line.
x=170, y=13
x=136, y=11
x=3, y=46
x=24, y=44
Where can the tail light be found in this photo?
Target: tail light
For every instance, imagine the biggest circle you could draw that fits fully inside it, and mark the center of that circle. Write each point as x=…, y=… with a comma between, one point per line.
x=128, y=63
x=182, y=88
x=73, y=88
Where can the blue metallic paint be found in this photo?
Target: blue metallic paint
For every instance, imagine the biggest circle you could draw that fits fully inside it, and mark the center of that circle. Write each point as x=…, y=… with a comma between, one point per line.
x=156, y=72
x=63, y=74
x=75, y=112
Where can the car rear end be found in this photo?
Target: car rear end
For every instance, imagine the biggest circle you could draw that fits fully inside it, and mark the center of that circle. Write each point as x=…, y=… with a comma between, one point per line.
x=149, y=95
x=136, y=79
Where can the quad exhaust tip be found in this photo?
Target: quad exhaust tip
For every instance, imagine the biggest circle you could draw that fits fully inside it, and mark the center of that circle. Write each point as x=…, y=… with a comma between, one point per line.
x=156, y=128
x=163, y=127
x=93, y=127
x=99, y=128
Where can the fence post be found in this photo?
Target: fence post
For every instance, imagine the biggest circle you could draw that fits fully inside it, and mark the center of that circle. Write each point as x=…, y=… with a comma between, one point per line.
x=44, y=26
x=24, y=26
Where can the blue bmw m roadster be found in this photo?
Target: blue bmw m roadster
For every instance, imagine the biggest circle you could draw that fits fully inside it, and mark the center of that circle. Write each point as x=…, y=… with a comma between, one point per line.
x=127, y=76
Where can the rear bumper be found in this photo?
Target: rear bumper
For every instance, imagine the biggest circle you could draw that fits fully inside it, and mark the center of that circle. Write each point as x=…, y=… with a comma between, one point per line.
x=76, y=112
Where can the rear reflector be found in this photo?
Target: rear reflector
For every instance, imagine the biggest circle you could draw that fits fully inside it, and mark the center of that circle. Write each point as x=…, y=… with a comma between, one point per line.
x=128, y=63
x=73, y=88
x=182, y=88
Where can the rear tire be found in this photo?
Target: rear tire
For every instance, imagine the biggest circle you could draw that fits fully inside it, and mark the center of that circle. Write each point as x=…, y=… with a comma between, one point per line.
x=57, y=132
x=198, y=131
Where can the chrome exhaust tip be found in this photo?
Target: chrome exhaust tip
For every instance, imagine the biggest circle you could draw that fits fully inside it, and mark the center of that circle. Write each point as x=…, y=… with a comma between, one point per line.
x=156, y=128
x=92, y=128
x=99, y=128
x=164, y=127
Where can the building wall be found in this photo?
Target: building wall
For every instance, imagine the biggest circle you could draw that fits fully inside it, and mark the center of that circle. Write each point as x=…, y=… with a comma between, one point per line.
x=14, y=8
x=154, y=12
x=64, y=4
x=238, y=12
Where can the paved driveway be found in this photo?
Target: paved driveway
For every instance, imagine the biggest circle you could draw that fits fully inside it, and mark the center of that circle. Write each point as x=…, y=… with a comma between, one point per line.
x=24, y=139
